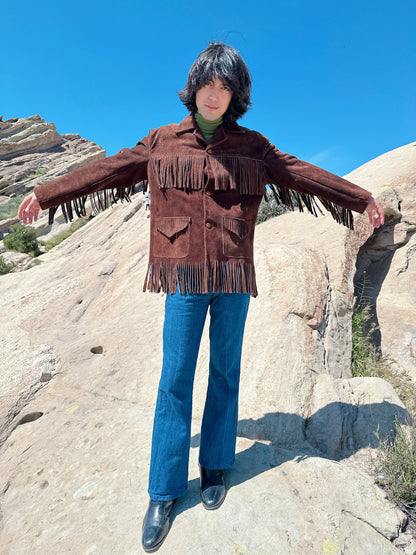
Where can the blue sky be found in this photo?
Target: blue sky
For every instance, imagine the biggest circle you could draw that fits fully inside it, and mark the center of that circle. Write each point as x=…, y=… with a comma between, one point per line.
x=333, y=81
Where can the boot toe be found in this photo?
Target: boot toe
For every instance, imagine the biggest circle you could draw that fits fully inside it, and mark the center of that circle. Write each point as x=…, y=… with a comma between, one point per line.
x=212, y=488
x=153, y=537
x=213, y=497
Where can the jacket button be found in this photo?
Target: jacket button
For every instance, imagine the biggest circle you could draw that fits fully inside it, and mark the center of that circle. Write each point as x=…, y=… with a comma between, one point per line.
x=209, y=151
x=208, y=225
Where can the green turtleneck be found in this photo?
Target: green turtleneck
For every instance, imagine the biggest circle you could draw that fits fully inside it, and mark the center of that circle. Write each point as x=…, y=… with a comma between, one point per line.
x=207, y=127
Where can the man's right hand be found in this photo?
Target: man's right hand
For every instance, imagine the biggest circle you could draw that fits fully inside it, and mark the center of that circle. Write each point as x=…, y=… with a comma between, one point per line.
x=29, y=209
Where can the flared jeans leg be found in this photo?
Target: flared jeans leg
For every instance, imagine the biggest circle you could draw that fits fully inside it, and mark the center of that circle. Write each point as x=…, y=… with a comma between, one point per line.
x=184, y=322
x=219, y=423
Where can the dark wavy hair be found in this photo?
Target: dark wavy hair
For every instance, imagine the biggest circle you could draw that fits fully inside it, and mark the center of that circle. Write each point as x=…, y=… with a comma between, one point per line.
x=225, y=63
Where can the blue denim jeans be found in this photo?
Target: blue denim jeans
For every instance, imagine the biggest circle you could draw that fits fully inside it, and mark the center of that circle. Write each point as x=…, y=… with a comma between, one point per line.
x=184, y=322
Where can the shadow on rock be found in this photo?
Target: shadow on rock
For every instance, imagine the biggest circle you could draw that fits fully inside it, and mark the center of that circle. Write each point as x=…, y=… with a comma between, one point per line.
x=335, y=432
x=251, y=462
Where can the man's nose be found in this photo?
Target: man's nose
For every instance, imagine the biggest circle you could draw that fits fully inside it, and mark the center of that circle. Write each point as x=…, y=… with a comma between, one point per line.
x=213, y=94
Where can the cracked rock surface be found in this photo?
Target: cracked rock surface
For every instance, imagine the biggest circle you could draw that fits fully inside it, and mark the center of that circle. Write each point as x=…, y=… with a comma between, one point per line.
x=76, y=446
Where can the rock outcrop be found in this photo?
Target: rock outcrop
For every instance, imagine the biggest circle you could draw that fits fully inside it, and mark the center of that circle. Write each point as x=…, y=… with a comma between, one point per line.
x=387, y=261
x=33, y=152
x=82, y=348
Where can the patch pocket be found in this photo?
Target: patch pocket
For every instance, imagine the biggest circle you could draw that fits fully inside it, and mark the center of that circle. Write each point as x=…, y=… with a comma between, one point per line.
x=171, y=239
x=234, y=237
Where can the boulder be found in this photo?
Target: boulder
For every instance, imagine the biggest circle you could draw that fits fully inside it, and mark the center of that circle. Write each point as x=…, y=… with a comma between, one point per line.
x=386, y=264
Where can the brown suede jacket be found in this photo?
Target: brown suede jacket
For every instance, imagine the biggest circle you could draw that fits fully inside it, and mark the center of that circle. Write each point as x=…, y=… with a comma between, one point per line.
x=204, y=200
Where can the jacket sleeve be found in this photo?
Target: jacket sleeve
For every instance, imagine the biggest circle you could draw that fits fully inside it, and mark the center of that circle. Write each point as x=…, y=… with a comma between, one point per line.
x=104, y=182
x=297, y=183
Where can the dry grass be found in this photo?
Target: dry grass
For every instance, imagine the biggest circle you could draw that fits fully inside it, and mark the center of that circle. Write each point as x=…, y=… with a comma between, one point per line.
x=395, y=461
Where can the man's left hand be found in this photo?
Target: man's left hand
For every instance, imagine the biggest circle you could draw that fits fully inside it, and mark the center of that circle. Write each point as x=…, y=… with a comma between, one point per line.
x=375, y=212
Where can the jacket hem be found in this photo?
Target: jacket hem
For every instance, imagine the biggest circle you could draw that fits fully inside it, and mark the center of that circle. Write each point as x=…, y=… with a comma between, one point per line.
x=231, y=276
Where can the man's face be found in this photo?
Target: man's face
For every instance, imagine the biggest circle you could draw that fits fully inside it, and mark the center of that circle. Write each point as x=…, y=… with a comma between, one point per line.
x=213, y=99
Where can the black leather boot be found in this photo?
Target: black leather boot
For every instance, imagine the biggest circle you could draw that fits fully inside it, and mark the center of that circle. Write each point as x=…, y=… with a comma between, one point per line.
x=213, y=490
x=156, y=524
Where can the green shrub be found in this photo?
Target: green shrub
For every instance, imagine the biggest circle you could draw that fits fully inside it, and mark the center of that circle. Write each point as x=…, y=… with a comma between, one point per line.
x=365, y=359
x=5, y=267
x=40, y=171
x=22, y=239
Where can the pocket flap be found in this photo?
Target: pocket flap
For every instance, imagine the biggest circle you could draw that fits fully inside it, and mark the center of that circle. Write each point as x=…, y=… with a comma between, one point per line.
x=171, y=226
x=238, y=227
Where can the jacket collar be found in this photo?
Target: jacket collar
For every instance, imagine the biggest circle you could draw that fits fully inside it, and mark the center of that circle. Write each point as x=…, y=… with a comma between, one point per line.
x=187, y=124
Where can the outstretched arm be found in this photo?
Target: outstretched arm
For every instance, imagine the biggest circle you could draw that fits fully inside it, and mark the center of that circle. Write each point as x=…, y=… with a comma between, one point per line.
x=295, y=180
x=116, y=174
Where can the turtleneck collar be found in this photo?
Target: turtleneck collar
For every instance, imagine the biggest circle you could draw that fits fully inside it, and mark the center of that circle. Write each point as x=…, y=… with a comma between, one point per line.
x=207, y=127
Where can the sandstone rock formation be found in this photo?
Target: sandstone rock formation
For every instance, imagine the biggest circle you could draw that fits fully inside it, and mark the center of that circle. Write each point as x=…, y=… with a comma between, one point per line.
x=81, y=351
x=33, y=152
x=388, y=258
